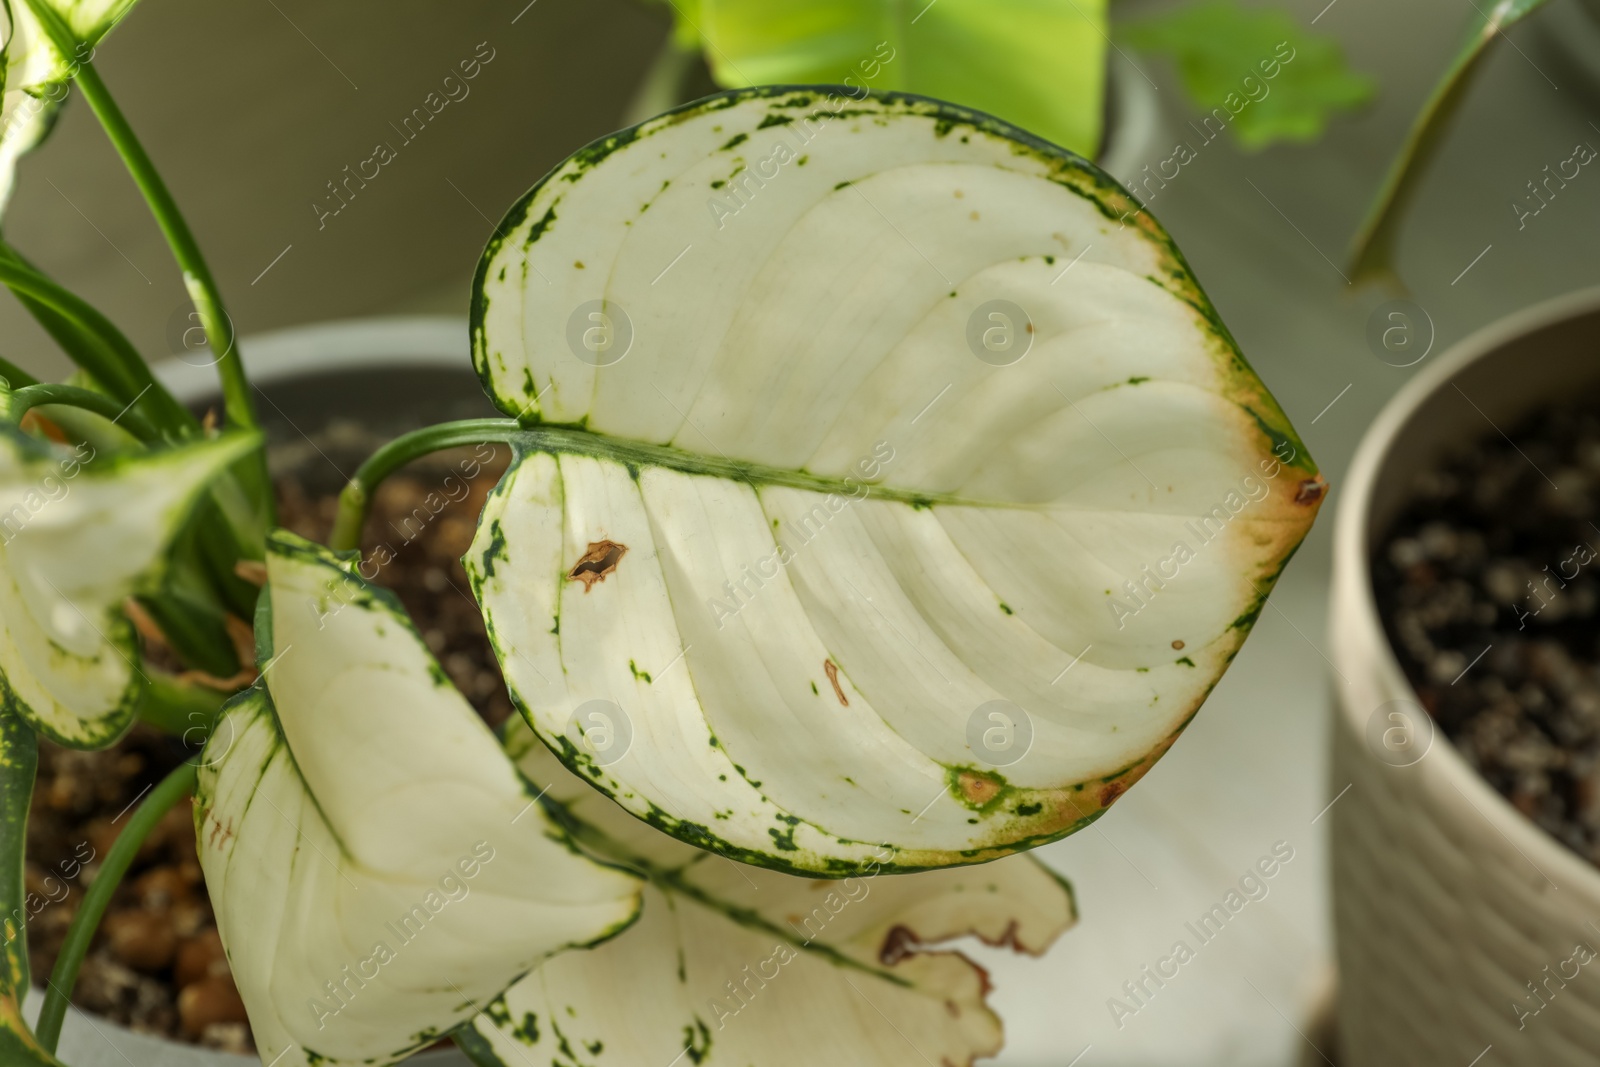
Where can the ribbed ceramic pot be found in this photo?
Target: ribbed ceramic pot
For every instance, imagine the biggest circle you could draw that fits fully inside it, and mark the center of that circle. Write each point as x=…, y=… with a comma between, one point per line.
x=1457, y=919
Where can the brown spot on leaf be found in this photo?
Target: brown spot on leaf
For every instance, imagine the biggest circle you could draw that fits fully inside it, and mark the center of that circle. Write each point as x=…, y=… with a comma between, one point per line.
x=1311, y=490
x=1110, y=792
x=220, y=834
x=599, y=560
x=1177, y=646
x=977, y=788
x=833, y=679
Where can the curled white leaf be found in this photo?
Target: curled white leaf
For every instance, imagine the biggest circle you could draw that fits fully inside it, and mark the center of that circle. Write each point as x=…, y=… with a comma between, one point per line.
x=78, y=536
x=376, y=863
x=733, y=965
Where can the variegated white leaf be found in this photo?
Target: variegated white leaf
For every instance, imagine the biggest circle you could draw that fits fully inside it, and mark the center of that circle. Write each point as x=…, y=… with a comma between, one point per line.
x=34, y=73
x=888, y=479
x=376, y=863
x=77, y=538
x=733, y=966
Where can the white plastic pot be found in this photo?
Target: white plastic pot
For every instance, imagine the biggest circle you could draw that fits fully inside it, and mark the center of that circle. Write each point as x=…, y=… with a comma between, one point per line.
x=1448, y=903
x=1135, y=127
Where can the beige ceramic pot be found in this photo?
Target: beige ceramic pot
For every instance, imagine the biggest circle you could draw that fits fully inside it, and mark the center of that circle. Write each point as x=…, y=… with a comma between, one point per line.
x=1458, y=921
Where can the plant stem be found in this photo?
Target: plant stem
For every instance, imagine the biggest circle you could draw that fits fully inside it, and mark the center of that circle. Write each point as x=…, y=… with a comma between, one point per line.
x=196, y=274
x=108, y=356
x=237, y=400
x=51, y=393
x=173, y=788
x=356, y=498
x=238, y=403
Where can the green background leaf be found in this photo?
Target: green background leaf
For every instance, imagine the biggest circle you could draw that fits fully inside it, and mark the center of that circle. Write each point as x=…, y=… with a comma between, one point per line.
x=1301, y=79
x=1037, y=63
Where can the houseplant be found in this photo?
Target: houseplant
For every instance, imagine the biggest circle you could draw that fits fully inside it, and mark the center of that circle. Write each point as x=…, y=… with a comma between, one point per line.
x=666, y=456
x=1458, y=916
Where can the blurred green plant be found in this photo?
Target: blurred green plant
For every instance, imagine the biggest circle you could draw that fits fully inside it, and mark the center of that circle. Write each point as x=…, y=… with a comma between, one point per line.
x=1372, y=251
x=1037, y=63
x=1223, y=50
x=1040, y=64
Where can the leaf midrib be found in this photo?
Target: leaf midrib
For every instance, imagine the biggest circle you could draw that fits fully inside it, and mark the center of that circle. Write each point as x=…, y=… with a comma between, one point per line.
x=574, y=440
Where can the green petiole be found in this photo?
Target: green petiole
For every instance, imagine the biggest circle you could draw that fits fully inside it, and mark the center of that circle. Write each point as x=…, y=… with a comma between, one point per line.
x=106, y=354
x=125, y=415
x=238, y=401
x=173, y=788
x=356, y=499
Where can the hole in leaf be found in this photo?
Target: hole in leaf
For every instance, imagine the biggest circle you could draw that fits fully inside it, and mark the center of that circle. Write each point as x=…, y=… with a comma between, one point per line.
x=599, y=560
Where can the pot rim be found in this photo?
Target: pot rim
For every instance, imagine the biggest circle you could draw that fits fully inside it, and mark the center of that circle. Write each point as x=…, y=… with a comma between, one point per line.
x=338, y=344
x=1134, y=122
x=1361, y=647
